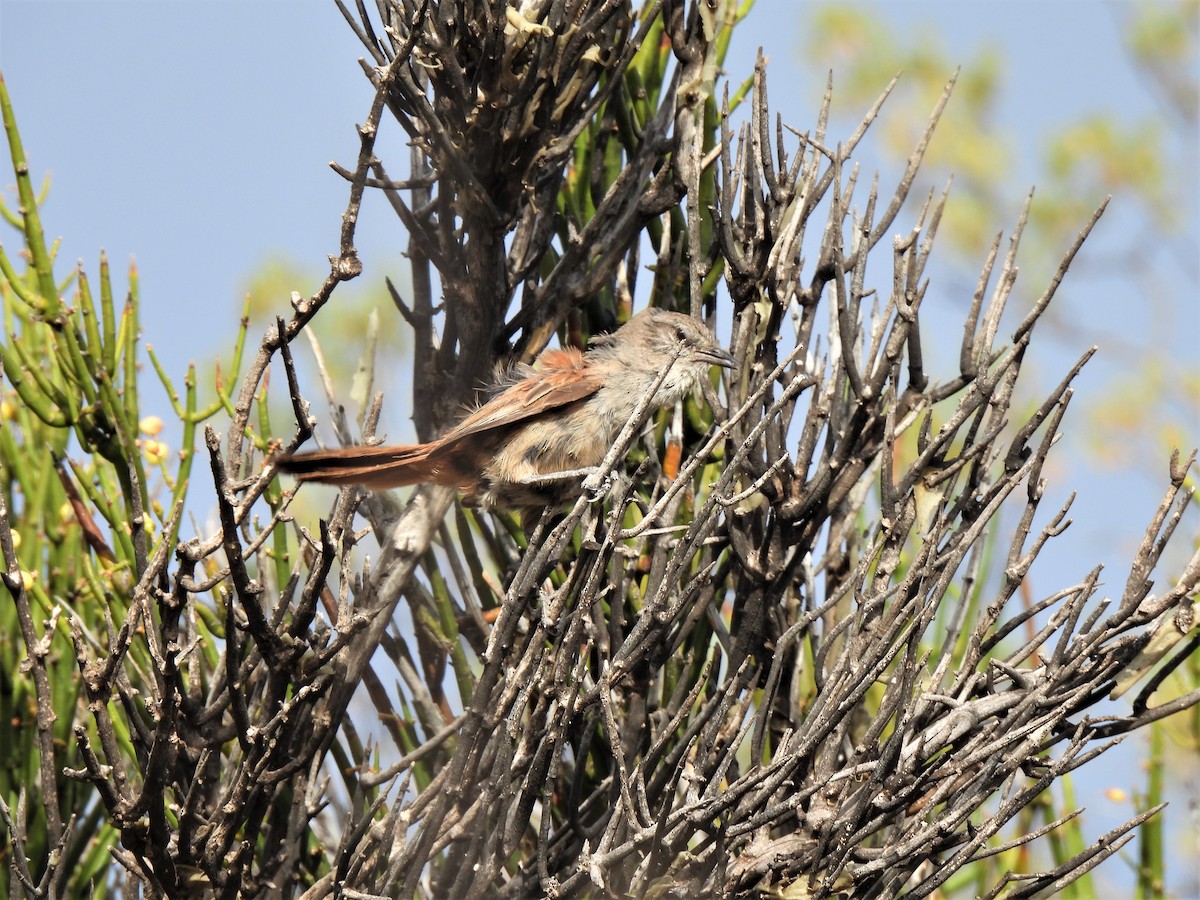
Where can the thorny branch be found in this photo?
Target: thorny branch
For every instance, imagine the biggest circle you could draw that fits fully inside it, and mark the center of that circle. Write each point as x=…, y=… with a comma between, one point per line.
x=718, y=678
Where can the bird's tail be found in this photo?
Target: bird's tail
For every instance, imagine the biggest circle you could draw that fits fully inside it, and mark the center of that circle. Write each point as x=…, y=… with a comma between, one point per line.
x=372, y=467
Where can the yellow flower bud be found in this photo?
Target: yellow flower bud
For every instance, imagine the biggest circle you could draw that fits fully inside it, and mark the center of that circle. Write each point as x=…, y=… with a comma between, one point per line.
x=155, y=452
x=150, y=425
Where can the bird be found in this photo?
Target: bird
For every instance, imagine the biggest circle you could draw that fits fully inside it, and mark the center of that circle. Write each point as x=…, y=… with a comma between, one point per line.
x=545, y=426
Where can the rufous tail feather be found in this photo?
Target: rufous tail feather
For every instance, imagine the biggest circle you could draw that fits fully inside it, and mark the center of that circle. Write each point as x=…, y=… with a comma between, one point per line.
x=372, y=467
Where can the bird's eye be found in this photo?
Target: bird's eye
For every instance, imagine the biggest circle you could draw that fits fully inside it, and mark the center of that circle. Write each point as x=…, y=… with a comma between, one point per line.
x=680, y=334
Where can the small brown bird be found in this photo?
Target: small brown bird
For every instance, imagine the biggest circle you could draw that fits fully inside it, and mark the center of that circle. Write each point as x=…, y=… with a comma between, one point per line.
x=543, y=429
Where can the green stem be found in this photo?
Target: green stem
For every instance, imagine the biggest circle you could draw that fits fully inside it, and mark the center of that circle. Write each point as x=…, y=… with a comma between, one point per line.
x=45, y=401
x=107, y=316
x=34, y=236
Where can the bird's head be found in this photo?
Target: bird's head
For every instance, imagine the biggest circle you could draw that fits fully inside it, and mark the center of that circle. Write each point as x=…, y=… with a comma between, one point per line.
x=654, y=337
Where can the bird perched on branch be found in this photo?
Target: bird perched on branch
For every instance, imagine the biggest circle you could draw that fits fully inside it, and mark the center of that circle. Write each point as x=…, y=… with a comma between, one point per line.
x=544, y=428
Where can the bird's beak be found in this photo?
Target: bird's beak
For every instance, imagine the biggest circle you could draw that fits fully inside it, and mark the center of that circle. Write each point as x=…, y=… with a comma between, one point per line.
x=718, y=356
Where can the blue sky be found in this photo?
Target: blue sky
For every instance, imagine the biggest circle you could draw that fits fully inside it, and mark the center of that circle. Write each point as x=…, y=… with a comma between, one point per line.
x=196, y=137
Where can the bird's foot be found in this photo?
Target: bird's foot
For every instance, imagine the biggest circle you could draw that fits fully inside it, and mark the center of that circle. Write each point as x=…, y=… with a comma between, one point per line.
x=597, y=484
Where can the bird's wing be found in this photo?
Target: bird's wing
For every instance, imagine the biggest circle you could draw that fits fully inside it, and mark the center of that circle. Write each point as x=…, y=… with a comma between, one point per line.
x=563, y=378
